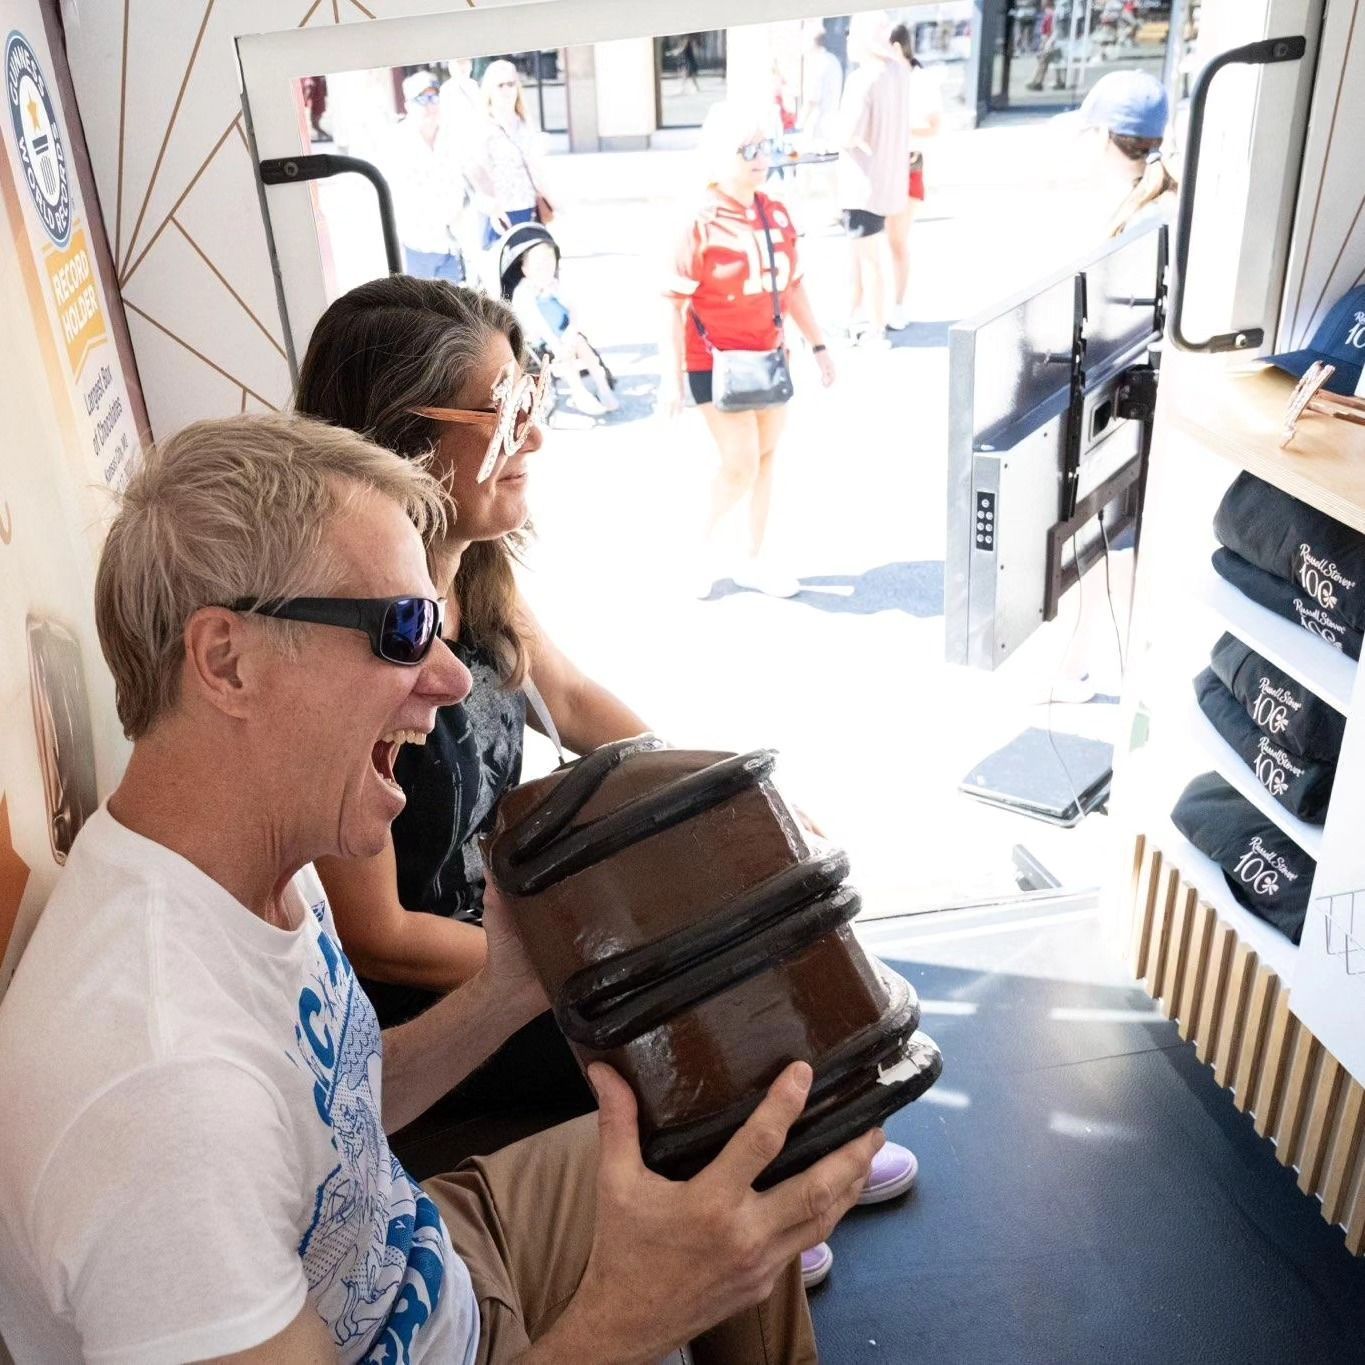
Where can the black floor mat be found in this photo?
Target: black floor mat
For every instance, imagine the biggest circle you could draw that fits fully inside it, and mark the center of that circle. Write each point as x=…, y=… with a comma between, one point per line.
x=1086, y=1194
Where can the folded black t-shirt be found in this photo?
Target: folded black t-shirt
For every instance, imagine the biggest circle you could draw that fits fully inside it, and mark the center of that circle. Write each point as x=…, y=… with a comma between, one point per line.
x=1296, y=542
x=1281, y=706
x=1301, y=785
x=1287, y=600
x=1265, y=869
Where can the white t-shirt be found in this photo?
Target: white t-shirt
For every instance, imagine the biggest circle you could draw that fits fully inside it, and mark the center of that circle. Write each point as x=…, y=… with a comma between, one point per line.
x=926, y=101
x=824, y=85
x=427, y=187
x=190, y=1138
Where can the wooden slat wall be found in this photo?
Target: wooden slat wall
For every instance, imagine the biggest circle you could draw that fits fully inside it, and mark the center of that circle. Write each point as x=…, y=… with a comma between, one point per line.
x=1235, y=1010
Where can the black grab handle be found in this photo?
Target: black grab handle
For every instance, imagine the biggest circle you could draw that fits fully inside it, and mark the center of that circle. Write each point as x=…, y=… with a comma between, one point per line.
x=1264, y=53
x=288, y=170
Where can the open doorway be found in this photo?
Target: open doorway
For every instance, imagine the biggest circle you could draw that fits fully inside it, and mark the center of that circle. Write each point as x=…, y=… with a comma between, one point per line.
x=846, y=679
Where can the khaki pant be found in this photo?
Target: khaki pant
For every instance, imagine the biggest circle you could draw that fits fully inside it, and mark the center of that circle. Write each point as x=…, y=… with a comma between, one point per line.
x=522, y=1221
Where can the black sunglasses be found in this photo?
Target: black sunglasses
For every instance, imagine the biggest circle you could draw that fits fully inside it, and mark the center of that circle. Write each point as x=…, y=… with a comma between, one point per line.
x=402, y=630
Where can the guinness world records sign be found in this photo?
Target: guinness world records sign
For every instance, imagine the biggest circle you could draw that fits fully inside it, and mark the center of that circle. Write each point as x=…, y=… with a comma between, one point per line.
x=73, y=423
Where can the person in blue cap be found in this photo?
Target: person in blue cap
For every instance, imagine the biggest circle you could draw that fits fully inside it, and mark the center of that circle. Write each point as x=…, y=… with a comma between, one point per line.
x=1132, y=110
x=1339, y=340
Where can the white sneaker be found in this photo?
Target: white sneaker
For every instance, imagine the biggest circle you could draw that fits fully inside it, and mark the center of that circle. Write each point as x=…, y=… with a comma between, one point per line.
x=900, y=318
x=762, y=577
x=588, y=403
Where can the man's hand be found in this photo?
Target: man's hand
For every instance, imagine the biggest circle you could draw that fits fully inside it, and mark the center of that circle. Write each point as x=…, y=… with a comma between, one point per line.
x=508, y=968
x=671, y=1259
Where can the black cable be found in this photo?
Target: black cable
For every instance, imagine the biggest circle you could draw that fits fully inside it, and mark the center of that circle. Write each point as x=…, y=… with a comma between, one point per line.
x=1052, y=689
x=1113, y=614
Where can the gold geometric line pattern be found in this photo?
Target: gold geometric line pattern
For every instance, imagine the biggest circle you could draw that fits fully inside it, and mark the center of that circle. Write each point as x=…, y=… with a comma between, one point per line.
x=241, y=133
x=218, y=275
x=213, y=365
x=355, y=4
x=1327, y=152
x=175, y=208
x=243, y=407
x=336, y=12
x=313, y=8
x=170, y=128
x=122, y=112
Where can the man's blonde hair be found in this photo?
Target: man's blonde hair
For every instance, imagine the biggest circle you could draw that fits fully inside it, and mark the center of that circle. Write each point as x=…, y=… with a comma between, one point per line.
x=227, y=509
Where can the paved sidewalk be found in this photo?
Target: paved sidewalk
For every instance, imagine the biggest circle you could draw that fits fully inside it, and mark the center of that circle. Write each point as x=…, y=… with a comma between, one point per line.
x=847, y=680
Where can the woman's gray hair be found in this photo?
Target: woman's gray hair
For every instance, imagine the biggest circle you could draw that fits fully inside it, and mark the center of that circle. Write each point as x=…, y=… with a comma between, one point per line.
x=228, y=509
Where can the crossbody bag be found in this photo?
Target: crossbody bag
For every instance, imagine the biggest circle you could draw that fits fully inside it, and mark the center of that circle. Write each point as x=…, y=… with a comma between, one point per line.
x=744, y=380
x=545, y=211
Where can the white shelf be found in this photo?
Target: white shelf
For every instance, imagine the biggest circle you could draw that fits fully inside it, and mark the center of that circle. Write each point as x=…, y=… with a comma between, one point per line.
x=1159, y=772
x=1270, y=946
x=1237, y=415
x=1186, y=738
x=1326, y=672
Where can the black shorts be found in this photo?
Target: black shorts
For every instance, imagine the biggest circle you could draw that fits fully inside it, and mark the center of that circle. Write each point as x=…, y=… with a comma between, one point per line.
x=699, y=384
x=861, y=223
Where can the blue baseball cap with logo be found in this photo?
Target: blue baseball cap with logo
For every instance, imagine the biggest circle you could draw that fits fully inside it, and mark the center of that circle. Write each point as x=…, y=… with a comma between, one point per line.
x=1340, y=341
x=1129, y=103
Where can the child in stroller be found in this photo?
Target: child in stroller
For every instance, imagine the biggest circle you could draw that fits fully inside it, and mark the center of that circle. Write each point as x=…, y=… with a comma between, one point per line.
x=528, y=269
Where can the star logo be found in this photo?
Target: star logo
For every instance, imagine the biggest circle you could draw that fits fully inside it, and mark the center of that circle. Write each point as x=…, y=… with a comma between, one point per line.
x=38, y=136
x=14, y=874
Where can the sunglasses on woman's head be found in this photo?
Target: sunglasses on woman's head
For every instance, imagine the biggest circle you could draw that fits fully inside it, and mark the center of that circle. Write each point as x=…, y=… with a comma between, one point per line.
x=426, y=97
x=518, y=403
x=751, y=151
x=402, y=630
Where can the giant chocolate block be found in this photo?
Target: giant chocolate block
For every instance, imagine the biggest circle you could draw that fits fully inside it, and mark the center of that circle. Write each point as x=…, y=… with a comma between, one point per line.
x=688, y=934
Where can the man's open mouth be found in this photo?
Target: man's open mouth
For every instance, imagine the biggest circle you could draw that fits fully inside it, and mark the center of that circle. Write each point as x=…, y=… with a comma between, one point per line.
x=385, y=752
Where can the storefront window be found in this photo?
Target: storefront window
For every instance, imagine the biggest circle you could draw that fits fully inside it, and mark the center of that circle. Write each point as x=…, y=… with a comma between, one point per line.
x=691, y=76
x=542, y=80
x=1046, y=54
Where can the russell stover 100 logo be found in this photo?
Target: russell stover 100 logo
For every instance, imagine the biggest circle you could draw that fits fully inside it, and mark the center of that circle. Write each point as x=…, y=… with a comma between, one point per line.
x=1261, y=869
x=38, y=138
x=1321, y=578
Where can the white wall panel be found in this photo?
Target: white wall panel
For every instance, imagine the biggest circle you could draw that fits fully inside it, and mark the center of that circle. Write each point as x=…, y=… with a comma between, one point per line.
x=160, y=102
x=1329, y=234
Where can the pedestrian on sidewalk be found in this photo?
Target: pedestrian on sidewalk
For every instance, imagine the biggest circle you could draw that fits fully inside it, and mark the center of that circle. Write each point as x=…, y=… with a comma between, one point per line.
x=875, y=120
x=1129, y=111
x=735, y=278
x=428, y=192
x=926, y=117
x=821, y=88
x=509, y=168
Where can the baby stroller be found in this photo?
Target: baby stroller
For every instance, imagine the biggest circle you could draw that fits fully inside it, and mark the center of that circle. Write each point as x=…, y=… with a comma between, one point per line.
x=543, y=316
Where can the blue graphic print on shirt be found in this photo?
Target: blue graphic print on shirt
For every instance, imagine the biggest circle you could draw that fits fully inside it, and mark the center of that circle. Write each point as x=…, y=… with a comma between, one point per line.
x=372, y=1253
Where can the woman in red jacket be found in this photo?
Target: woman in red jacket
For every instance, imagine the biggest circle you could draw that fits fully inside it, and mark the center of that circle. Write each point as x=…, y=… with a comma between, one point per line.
x=737, y=248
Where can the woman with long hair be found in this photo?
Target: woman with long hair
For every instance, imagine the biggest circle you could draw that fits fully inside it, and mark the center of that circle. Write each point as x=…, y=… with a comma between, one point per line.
x=1131, y=110
x=431, y=370
x=926, y=117
x=735, y=279
x=509, y=166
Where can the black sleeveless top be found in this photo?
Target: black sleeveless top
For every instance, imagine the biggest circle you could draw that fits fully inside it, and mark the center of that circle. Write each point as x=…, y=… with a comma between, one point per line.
x=453, y=784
